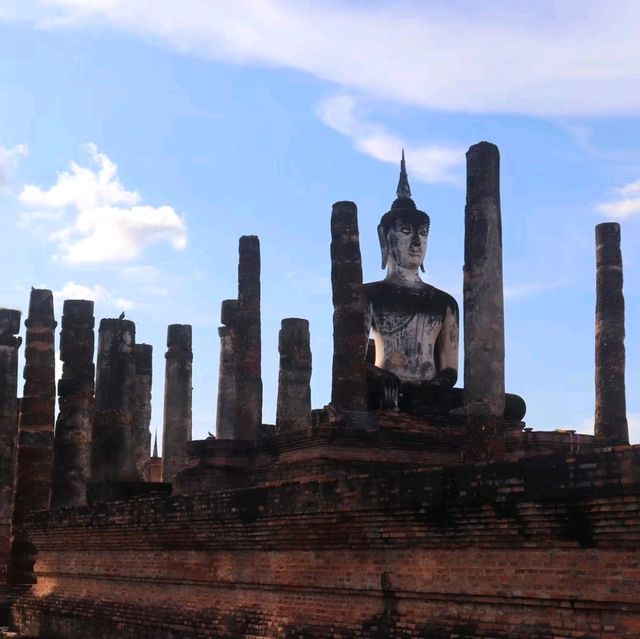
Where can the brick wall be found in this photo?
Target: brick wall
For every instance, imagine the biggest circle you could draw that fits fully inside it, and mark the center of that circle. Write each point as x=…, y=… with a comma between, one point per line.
x=544, y=547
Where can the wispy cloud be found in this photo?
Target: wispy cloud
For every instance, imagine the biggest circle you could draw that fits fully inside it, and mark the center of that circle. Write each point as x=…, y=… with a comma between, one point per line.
x=527, y=289
x=429, y=163
x=9, y=158
x=626, y=204
x=575, y=57
x=95, y=293
x=96, y=219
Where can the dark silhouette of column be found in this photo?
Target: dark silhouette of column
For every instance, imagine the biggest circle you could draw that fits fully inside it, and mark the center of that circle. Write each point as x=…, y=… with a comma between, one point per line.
x=143, y=357
x=112, y=446
x=611, y=411
x=349, y=383
x=34, y=469
x=483, y=294
x=72, y=443
x=226, y=409
x=9, y=345
x=177, y=400
x=248, y=378
x=294, y=391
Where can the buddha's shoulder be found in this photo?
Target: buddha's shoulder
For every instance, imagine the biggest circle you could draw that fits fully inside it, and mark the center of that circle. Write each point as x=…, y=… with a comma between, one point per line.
x=383, y=289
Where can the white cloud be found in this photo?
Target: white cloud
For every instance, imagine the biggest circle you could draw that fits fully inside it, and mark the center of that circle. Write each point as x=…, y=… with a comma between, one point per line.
x=9, y=158
x=96, y=293
x=99, y=220
x=626, y=204
x=432, y=163
x=545, y=58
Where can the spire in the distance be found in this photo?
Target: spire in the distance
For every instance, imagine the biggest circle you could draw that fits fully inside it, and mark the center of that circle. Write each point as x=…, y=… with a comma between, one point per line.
x=155, y=445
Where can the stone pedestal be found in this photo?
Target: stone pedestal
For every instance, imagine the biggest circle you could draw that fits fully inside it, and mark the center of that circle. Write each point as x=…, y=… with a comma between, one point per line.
x=611, y=412
x=294, y=391
x=177, y=400
x=112, y=456
x=248, y=378
x=72, y=445
x=483, y=295
x=349, y=384
x=143, y=356
x=9, y=344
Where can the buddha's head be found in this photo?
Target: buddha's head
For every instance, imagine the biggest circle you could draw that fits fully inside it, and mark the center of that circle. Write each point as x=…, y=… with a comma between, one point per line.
x=403, y=231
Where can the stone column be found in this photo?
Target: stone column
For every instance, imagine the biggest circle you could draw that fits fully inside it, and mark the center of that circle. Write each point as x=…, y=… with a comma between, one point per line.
x=294, y=391
x=72, y=444
x=483, y=296
x=143, y=357
x=112, y=446
x=34, y=468
x=349, y=382
x=177, y=400
x=611, y=412
x=37, y=408
x=9, y=344
x=248, y=413
x=226, y=410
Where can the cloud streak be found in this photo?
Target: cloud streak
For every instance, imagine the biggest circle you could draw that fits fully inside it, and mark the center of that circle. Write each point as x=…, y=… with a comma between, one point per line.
x=9, y=158
x=579, y=58
x=626, y=204
x=429, y=163
x=96, y=219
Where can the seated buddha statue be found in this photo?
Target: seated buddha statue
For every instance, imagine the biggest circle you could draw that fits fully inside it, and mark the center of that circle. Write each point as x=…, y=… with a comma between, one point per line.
x=414, y=325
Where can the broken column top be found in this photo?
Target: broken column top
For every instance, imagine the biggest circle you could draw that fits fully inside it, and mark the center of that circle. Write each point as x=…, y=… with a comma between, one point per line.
x=116, y=324
x=78, y=309
x=483, y=170
x=41, y=306
x=9, y=321
x=295, y=323
x=179, y=337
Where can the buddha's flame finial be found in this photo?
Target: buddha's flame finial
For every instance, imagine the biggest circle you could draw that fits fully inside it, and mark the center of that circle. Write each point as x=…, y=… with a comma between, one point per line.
x=403, y=190
x=155, y=445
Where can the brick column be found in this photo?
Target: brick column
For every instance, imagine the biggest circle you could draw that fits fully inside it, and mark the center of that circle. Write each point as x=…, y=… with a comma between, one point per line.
x=248, y=412
x=294, y=391
x=483, y=295
x=37, y=408
x=34, y=470
x=112, y=446
x=143, y=358
x=177, y=400
x=226, y=409
x=72, y=444
x=349, y=383
x=611, y=411
x=9, y=344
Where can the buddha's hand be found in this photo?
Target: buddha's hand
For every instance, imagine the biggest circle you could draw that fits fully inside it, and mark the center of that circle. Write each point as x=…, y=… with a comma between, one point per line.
x=445, y=379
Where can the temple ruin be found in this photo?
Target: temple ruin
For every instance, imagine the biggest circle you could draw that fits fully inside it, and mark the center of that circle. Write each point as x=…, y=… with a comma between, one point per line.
x=408, y=507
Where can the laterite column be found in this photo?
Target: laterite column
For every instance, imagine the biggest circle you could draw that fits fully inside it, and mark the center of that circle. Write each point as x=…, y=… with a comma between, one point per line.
x=72, y=444
x=177, y=400
x=294, y=391
x=349, y=383
x=611, y=411
x=143, y=357
x=483, y=294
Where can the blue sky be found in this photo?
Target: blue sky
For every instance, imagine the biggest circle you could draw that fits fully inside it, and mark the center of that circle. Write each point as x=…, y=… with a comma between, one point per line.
x=139, y=139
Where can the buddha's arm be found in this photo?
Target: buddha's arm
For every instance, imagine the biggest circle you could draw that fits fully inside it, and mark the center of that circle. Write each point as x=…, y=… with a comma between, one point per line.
x=446, y=351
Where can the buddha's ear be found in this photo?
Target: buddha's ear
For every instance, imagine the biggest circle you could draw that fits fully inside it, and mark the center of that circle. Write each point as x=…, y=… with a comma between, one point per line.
x=384, y=246
x=422, y=267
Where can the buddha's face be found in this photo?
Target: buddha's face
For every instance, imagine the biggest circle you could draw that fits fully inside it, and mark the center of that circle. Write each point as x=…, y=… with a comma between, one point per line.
x=407, y=243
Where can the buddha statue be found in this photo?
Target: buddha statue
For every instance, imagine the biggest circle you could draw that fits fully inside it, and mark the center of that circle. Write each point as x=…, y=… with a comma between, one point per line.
x=414, y=325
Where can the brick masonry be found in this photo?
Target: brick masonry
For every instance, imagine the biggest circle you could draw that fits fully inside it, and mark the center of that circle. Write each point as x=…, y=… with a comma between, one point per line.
x=543, y=547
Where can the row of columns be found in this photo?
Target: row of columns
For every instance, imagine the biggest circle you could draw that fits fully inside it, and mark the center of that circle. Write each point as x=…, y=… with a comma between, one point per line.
x=484, y=376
